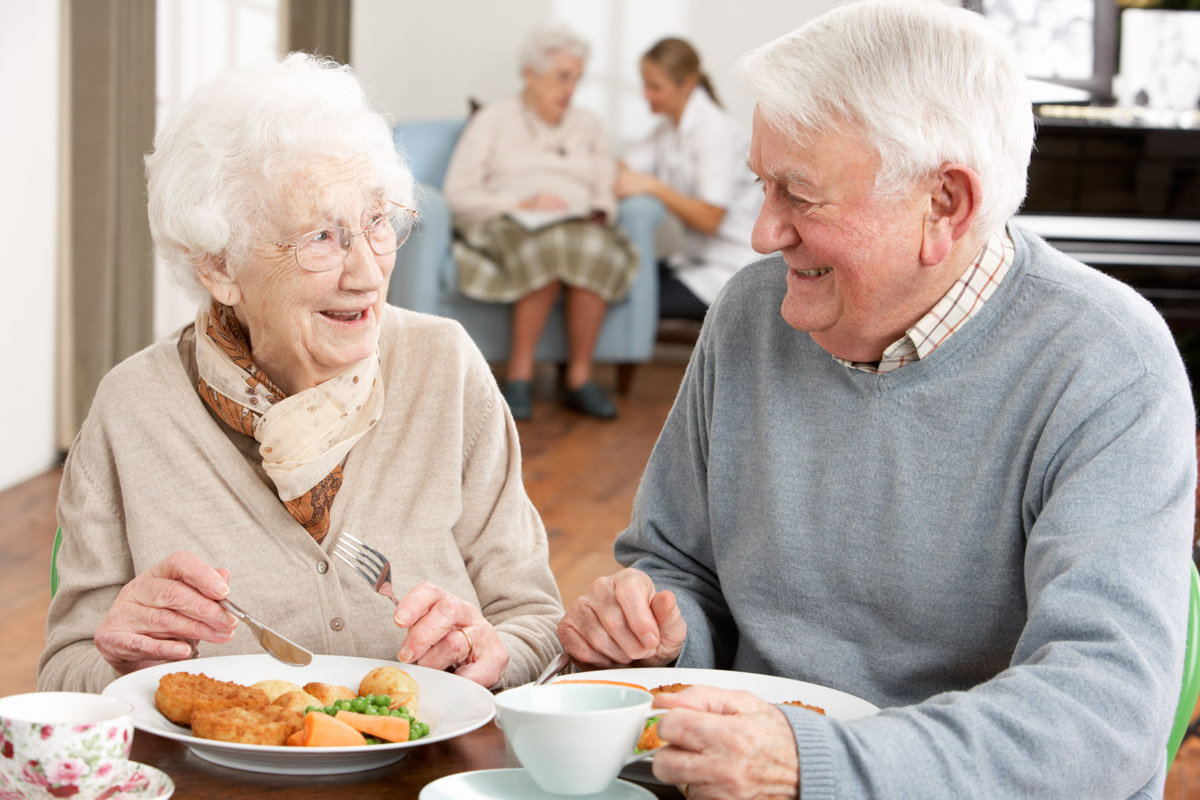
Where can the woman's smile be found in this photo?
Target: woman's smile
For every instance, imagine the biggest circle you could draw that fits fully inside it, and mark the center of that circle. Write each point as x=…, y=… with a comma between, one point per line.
x=348, y=318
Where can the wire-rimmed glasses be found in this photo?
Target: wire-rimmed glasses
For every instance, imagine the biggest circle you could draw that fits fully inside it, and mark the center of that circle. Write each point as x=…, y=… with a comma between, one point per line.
x=328, y=248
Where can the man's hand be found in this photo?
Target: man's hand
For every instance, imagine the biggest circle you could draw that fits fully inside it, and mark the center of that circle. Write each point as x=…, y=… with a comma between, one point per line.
x=622, y=621
x=726, y=744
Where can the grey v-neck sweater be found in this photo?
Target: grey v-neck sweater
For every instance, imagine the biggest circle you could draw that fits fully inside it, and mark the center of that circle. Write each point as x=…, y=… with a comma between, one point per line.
x=991, y=544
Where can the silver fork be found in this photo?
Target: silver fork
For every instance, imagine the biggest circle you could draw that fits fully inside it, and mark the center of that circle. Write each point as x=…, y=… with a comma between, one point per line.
x=368, y=562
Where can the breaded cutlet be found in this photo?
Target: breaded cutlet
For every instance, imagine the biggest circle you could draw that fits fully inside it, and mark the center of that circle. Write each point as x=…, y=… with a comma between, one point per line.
x=181, y=694
x=269, y=725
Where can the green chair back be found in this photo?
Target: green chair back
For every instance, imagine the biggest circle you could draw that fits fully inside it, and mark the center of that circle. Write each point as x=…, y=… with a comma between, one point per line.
x=1191, y=672
x=54, y=561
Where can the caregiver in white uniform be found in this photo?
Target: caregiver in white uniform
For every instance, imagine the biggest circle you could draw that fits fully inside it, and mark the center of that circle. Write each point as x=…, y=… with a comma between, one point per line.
x=695, y=163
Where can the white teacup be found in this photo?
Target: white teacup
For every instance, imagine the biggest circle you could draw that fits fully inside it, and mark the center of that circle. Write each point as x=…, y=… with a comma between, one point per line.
x=574, y=738
x=53, y=742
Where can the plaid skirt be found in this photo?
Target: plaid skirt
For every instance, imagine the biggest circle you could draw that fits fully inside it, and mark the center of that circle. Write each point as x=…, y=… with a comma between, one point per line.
x=500, y=261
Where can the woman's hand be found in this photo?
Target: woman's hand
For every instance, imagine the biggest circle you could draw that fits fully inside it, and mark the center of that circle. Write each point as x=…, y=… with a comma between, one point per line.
x=543, y=201
x=630, y=182
x=726, y=744
x=622, y=621
x=446, y=631
x=162, y=614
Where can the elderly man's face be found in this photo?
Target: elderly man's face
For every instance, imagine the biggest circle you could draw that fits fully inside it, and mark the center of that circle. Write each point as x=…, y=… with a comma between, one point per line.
x=854, y=279
x=303, y=326
x=549, y=92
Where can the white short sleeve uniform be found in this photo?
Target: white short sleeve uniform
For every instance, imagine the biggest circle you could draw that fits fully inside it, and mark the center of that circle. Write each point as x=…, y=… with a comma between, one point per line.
x=705, y=157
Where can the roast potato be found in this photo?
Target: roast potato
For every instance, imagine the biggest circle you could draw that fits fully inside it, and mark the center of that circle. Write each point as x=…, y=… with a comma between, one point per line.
x=395, y=683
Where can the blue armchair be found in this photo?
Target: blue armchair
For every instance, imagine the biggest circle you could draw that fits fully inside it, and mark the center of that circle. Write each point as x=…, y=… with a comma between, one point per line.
x=425, y=278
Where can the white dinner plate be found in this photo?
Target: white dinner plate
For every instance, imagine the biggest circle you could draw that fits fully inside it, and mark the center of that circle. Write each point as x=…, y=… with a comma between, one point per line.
x=449, y=704
x=515, y=784
x=769, y=688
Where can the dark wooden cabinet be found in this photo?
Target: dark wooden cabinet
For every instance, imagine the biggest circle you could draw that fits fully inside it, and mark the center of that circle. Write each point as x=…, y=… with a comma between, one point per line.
x=1106, y=169
x=1124, y=197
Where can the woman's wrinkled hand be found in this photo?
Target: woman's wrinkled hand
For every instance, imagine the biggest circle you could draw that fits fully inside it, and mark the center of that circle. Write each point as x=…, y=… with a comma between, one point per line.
x=726, y=744
x=543, y=201
x=161, y=615
x=446, y=631
x=622, y=621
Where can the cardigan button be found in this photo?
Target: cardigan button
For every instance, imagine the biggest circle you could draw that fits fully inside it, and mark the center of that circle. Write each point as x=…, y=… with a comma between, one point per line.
x=336, y=623
x=322, y=567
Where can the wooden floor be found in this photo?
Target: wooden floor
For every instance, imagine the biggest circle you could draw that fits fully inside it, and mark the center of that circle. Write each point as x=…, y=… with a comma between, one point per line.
x=580, y=473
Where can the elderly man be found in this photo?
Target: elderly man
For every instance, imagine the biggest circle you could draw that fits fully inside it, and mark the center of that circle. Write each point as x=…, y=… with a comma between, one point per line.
x=954, y=476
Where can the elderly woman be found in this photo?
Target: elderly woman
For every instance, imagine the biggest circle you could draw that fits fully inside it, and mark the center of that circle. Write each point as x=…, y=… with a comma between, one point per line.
x=695, y=163
x=226, y=460
x=530, y=186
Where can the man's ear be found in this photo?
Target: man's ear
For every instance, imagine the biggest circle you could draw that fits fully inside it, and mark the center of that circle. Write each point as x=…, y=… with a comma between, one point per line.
x=955, y=194
x=213, y=271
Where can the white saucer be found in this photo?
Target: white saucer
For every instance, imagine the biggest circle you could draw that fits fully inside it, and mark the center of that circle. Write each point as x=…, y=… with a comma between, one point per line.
x=511, y=784
x=130, y=781
x=157, y=785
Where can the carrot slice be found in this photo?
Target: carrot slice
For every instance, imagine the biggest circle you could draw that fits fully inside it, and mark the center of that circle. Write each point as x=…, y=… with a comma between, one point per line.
x=296, y=739
x=322, y=730
x=392, y=729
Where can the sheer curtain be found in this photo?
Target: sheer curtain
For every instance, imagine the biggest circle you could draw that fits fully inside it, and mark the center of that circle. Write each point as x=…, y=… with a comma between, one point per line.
x=108, y=307
x=106, y=270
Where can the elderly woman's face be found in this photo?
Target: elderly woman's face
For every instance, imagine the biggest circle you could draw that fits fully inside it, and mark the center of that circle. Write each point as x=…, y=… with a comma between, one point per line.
x=304, y=327
x=549, y=92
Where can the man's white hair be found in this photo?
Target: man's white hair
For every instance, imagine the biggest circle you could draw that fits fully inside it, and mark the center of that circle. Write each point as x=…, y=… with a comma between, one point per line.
x=538, y=51
x=925, y=83
x=219, y=162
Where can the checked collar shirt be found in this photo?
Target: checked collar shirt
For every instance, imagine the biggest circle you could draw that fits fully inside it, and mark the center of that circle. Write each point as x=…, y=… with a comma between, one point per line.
x=963, y=301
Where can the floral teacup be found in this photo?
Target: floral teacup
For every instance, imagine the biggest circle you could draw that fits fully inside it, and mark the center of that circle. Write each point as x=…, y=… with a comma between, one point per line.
x=63, y=744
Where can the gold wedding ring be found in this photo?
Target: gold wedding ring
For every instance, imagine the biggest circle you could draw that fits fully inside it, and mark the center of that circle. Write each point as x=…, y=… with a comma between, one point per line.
x=470, y=647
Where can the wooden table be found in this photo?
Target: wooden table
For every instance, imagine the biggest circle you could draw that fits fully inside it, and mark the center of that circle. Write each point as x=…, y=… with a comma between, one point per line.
x=196, y=778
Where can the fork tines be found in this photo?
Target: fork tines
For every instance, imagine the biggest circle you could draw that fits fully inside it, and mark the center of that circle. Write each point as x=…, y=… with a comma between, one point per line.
x=364, y=559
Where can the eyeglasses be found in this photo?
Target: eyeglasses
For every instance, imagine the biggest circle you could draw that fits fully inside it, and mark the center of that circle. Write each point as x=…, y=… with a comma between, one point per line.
x=328, y=248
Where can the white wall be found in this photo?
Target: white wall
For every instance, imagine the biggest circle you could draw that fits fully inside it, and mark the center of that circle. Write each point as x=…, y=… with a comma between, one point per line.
x=29, y=138
x=421, y=59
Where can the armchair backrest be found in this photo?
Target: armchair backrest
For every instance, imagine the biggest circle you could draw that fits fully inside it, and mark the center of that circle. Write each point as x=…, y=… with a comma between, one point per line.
x=428, y=145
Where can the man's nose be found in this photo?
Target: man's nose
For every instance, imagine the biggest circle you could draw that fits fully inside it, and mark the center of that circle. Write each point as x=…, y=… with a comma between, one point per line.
x=773, y=230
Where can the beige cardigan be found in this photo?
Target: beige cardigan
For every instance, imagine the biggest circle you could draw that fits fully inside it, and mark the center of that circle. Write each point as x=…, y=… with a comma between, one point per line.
x=436, y=486
x=507, y=153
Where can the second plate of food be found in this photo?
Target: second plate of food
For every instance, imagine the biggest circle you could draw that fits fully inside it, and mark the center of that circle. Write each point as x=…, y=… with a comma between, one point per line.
x=769, y=688
x=450, y=705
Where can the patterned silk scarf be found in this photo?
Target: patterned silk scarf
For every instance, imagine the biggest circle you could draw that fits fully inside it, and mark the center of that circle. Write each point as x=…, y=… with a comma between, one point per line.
x=304, y=438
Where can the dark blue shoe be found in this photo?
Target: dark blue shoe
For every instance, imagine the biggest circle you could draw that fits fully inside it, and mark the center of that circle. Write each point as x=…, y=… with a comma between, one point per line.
x=519, y=396
x=589, y=399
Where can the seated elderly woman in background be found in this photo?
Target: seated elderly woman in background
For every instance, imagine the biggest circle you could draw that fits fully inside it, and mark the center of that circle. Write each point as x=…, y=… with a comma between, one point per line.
x=225, y=459
x=534, y=153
